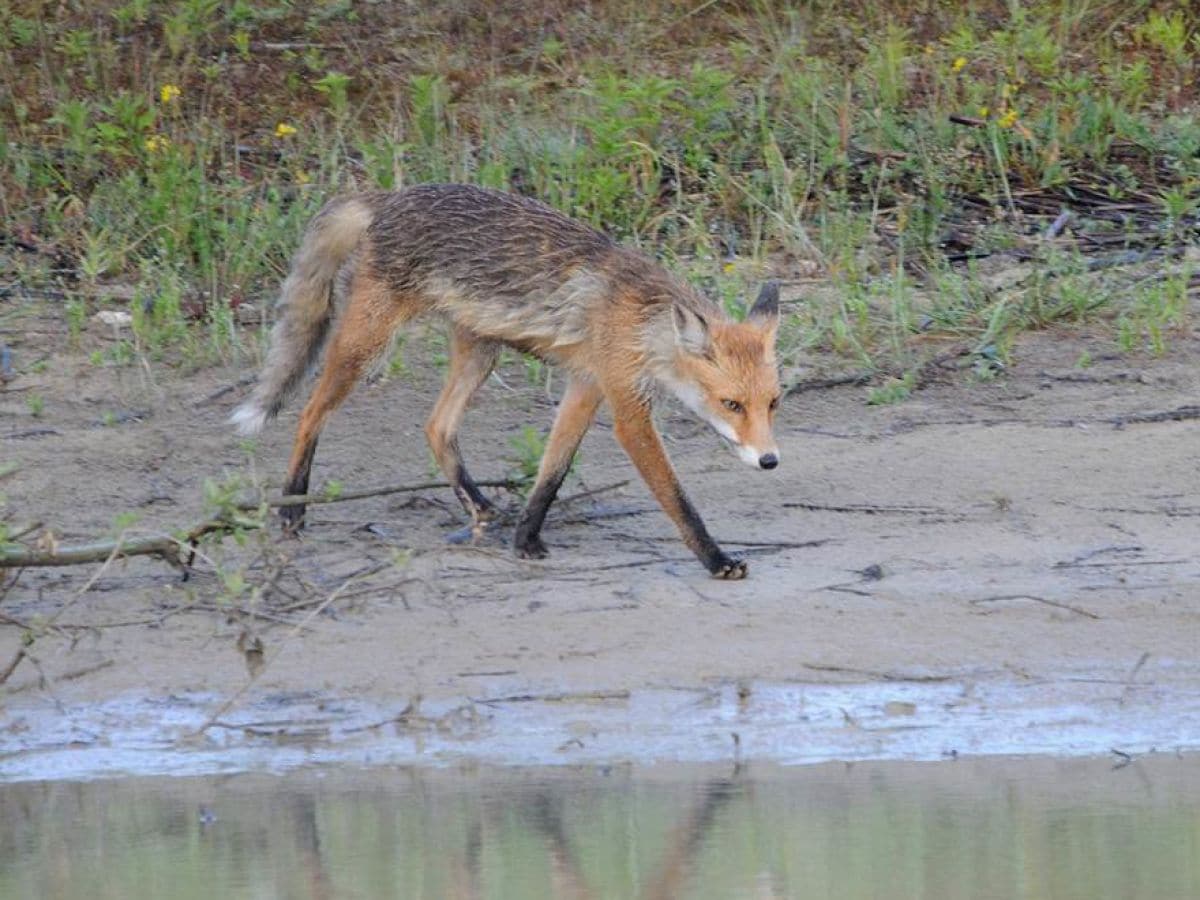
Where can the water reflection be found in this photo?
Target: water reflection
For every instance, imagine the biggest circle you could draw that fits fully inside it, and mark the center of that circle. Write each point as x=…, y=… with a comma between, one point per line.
x=978, y=828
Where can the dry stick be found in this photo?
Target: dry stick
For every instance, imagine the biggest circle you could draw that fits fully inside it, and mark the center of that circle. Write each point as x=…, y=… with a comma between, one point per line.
x=817, y=384
x=162, y=545
x=309, y=499
x=1079, y=611
x=49, y=624
x=299, y=626
x=11, y=667
x=169, y=547
x=227, y=389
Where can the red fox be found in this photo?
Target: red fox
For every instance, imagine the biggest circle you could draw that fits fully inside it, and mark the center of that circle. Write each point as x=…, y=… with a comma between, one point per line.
x=508, y=270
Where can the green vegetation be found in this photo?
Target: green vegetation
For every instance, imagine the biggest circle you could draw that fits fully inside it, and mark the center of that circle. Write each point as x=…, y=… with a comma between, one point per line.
x=163, y=155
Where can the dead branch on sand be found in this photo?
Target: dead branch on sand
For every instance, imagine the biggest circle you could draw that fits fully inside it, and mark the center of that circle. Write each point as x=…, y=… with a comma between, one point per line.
x=172, y=547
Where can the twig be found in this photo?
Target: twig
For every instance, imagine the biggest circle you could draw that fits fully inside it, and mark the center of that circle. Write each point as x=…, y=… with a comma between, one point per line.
x=16, y=661
x=1034, y=597
x=311, y=499
x=221, y=392
x=299, y=626
x=869, y=509
x=582, y=495
x=882, y=676
x=581, y=697
x=31, y=433
x=166, y=546
x=1179, y=414
x=1057, y=225
x=817, y=384
x=238, y=610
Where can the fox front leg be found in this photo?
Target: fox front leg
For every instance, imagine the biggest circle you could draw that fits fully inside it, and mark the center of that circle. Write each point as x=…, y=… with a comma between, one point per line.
x=635, y=432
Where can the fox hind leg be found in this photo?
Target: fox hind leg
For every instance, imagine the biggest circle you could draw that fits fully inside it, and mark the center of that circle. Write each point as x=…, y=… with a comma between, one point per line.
x=362, y=333
x=575, y=415
x=472, y=359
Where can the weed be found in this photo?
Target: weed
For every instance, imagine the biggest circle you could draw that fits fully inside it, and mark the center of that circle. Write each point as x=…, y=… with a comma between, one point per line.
x=526, y=449
x=892, y=391
x=877, y=144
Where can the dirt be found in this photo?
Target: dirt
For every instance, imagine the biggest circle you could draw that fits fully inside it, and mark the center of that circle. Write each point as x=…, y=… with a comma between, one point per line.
x=1038, y=530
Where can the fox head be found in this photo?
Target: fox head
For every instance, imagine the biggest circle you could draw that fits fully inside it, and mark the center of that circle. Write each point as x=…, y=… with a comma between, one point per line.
x=725, y=372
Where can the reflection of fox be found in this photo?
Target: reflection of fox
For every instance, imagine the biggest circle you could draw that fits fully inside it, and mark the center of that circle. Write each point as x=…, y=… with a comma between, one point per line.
x=505, y=270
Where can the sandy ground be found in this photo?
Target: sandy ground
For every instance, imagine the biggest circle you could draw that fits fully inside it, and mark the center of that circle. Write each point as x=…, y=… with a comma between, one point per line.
x=1038, y=530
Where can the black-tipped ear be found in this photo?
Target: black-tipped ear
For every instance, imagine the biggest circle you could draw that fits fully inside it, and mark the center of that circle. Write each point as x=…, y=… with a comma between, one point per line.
x=691, y=330
x=766, y=307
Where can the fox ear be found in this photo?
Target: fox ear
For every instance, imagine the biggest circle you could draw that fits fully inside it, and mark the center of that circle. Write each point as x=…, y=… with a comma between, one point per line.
x=691, y=331
x=765, y=311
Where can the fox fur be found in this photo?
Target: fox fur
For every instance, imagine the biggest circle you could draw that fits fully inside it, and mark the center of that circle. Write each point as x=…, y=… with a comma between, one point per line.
x=505, y=270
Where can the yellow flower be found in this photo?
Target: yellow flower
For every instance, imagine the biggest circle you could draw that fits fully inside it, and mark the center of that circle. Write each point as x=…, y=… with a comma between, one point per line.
x=1008, y=120
x=728, y=267
x=169, y=93
x=156, y=143
x=959, y=64
x=283, y=129
x=983, y=112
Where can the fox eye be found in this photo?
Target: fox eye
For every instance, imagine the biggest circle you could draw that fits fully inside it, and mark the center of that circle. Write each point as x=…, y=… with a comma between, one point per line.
x=733, y=406
x=774, y=404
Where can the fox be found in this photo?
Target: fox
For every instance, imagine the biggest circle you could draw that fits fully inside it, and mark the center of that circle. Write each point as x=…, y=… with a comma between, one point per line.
x=505, y=270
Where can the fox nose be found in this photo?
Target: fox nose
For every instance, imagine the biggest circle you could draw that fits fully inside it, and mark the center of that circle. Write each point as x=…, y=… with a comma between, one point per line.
x=768, y=461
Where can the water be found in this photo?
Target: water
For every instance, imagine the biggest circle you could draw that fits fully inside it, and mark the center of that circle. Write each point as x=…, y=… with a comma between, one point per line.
x=1008, y=828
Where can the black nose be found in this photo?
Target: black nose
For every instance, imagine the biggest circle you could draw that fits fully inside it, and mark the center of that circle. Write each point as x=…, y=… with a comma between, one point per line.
x=768, y=460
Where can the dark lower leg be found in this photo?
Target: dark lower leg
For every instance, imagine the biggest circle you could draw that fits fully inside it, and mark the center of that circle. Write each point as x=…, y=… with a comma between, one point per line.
x=297, y=485
x=575, y=414
x=635, y=432
x=372, y=315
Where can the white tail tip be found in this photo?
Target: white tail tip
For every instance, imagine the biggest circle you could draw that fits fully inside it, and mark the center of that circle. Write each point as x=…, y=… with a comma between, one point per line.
x=249, y=418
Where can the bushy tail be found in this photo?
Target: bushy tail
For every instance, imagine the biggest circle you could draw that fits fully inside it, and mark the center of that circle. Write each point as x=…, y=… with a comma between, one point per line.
x=305, y=309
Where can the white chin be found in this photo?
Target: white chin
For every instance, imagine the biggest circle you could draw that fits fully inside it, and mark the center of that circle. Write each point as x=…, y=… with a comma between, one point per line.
x=748, y=455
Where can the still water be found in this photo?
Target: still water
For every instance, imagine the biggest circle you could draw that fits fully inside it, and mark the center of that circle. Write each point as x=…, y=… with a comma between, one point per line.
x=971, y=828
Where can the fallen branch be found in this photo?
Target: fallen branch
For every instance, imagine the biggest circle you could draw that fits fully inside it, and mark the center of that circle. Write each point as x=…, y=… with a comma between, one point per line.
x=171, y=547
x=817, y=384
x=1180, y=414
x=166, y=546
x=311, y=499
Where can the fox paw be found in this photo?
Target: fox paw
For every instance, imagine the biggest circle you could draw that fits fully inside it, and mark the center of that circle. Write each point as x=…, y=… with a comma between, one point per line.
x=729, y=568
x=532, y=548
x=291, y=518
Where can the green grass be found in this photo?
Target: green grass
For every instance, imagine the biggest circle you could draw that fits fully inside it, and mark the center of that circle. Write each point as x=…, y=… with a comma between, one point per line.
x=178, y=147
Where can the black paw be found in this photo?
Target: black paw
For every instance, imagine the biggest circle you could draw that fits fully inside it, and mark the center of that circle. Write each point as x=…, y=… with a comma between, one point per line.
x=729, y=568
x=531, y=548
x=292, y=520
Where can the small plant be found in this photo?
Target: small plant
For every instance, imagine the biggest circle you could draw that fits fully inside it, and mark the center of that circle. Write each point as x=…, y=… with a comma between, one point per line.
x=124, y=521
x=335, y=86
x=36, y=404
x=893, y=390
x=526, y=449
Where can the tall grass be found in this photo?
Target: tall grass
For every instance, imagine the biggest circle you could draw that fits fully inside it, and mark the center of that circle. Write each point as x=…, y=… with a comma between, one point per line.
x=180, y=145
